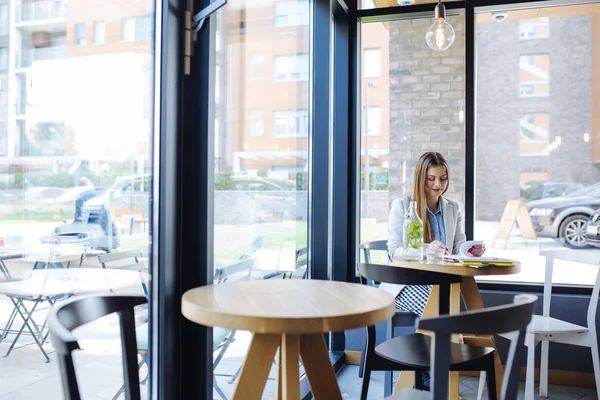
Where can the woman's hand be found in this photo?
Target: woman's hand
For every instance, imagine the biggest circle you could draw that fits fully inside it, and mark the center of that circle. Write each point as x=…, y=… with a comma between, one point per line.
x=436, y=244
x=477, y=250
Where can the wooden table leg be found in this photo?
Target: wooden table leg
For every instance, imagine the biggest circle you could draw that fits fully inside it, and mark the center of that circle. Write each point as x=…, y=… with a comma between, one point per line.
x=473, y=301
x=288, y=377
x=319, y=371
x=257, y=365
x=454, y=381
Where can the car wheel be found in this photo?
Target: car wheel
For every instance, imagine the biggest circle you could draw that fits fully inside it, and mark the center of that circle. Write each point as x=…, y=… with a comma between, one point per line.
x=572, y=232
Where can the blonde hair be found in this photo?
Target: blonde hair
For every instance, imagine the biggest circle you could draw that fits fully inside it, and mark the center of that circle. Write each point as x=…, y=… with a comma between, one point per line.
x=426, y=161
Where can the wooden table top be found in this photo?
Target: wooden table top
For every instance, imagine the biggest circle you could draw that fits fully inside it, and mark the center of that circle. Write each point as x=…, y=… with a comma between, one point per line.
x=458, y=269
x=287, y=306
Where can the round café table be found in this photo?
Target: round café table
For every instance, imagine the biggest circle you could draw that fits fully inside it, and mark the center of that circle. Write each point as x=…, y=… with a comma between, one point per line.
x=472, y=300
x=289, y=315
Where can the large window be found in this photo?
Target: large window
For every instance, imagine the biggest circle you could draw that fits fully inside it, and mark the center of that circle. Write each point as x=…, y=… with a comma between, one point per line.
x=539, y=143
x=261, y=128
x=412, y=102
x=76, y=173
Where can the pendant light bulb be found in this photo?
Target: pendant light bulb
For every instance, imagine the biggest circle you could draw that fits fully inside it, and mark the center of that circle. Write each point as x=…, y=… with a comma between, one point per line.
x=440, y=35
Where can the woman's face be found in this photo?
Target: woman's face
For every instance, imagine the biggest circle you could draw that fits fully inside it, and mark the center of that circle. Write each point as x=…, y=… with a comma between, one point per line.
x=436, y=182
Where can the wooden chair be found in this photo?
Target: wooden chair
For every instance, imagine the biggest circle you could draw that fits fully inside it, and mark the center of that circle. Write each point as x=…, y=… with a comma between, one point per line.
x=65, y=317
x=507, y=318
x=402, y=319
x=411, y=352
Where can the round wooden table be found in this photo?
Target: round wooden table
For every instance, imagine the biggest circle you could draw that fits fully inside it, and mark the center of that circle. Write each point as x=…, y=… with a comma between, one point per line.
x=472, y=299
x=289, y=315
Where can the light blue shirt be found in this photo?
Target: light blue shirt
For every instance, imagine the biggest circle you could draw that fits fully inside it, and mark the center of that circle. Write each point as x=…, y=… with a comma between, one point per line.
x=437, y=224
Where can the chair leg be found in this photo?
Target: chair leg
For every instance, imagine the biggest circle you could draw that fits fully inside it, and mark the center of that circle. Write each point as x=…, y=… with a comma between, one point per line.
x=481, y=385
x=595, y=359
x=544, y=369
x=362, y=358
x=218, y=389
x=365, y=382
x=530, y=377
x=490, y=375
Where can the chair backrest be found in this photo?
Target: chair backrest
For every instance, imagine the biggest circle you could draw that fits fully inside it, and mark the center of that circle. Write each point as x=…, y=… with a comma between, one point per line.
x=374, y=245
x=502, y=319
x=591, y=257
x=65, y=317
x=225, y=273
x=119, y=256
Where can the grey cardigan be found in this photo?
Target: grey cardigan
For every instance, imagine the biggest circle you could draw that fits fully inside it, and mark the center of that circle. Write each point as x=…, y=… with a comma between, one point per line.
x=453, y=221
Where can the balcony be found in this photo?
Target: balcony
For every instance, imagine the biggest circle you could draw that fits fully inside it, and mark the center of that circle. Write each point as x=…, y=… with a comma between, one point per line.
x=27, y=57
x=41, y=10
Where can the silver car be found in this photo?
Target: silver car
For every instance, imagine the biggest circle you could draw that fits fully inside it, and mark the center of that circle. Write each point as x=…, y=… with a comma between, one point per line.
x=566, y=217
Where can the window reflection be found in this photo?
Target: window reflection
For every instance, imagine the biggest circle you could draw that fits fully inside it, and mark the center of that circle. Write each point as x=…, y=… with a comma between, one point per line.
x=261, y=122
x=76, y=110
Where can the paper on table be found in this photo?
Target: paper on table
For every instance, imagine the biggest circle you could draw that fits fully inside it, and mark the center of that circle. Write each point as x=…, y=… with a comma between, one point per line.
x=464, y=248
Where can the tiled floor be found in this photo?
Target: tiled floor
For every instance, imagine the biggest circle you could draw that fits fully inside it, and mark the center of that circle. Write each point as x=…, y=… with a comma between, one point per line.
x=350, y=384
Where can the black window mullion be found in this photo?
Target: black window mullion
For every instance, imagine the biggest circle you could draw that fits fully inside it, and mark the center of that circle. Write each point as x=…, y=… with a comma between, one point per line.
x=318, y=234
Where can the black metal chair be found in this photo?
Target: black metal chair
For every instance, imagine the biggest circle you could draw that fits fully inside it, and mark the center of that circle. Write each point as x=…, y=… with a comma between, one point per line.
x=502, y=319
x=411, y=352
x=65, y=317
x=401, y=319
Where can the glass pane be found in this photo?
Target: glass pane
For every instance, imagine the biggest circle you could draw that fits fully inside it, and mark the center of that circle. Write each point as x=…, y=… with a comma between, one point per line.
x=415, y=105
x=261, y=126
x=76, y=111
x=537, y=135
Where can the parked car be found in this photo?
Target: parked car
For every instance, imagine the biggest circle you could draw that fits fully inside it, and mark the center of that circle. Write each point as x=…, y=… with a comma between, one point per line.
x=566, y=217
x=592, y=230
x=544, y=190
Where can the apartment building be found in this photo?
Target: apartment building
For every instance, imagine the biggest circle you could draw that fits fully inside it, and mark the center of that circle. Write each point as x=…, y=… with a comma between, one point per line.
x=52, y=52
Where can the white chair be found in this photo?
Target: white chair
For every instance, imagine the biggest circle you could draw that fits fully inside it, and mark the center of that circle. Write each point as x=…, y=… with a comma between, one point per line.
x=546, y=329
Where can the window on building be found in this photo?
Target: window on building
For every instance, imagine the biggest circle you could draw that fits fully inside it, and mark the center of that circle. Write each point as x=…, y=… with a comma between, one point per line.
x=256, y=66
x=217, y=86
x=373, y=121
x=3, y=60
x=372, y=63
x=533, y=135
x=290, y=123
x=99, y=32
x=257, y=123
x=534, y=28
x=137, y=28
x=533, y=75
x=128, y=29
x=80, y=34
x=292, y=13
x=3, y=19
x=291, y=67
